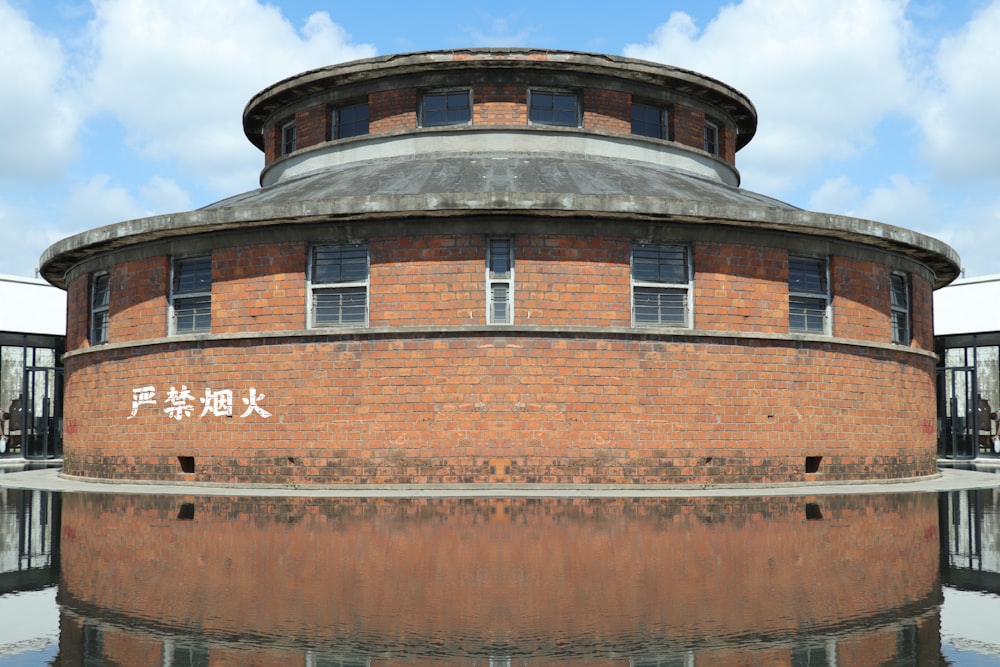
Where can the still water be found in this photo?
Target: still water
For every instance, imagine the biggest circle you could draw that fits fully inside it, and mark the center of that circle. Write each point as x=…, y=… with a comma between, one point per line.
x=896, y=579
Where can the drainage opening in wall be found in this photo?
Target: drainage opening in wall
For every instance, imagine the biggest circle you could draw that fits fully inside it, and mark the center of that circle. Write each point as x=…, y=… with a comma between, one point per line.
x=812, y=463
x=187, y=464
x=813, y=512
x=186, y=513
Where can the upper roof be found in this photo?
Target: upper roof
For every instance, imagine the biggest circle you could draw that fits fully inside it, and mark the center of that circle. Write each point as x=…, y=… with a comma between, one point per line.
x=283, y=94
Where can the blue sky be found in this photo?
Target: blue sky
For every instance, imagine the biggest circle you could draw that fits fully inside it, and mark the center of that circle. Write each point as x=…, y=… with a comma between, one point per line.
x=880, y=109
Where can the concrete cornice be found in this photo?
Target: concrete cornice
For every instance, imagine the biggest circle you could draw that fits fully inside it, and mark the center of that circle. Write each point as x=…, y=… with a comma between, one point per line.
x=413, y=209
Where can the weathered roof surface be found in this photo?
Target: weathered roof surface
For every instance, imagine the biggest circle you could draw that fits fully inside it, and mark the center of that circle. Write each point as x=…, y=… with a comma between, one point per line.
x=503, y=173
x=551, y=186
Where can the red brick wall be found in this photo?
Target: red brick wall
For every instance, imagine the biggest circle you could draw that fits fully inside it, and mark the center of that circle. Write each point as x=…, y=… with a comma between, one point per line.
x=428, y=280
x=463, y=575
x=392, y=111
x=138, y=305
x=259, y=288
x=517, y=404
x=607, y=111
x=688, y=126
x=499, y=104
x=312, y=126
x=741, y=288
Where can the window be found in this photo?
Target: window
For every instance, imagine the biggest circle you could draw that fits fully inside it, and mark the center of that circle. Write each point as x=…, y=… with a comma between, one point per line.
x=448, y=108
x=191, y=294
x=649, y=121
x=287, y=138
x=900, y=300
x=339, y=285
x=808, y=295
x=552, y=108
x=711, y=138
x=661, y=286
x=100, y=298
x=350, y=121
x=500, y=282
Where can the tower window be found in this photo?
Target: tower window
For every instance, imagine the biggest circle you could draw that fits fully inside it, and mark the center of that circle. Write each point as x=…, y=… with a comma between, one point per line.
x=554, y=108
x=100, y=299
x=350, y=121
x=661, y=286
x=649, y=121
x=446, y=108
x=500, y=281
x=900, y=308
x=711, y=138
x=288, y=138
x=339, y=285
x=191, y=294
x=808, y=295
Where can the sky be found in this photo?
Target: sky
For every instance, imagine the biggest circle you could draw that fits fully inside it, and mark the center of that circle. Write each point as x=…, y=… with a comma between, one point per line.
x=877, y=109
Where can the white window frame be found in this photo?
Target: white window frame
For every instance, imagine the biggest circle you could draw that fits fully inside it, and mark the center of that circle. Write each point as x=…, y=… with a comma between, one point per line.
x=824, y=295
x=904, y=310
x=446, y=92
x=532, y=92
x=316, y=288
x=177, y=297
x=712, y=138
x=664, y=287
x=102, y=310
x=288, y=138
x=494, y=280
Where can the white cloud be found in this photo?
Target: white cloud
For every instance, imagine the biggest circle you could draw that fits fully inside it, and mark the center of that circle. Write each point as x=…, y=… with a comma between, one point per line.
x=100, y=201
x=959, y=114
x=821, y=74
x=39, y=121
x=178, y=73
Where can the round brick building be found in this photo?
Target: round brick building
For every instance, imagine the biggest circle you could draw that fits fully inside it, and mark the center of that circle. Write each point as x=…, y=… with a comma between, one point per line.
x=500, y=266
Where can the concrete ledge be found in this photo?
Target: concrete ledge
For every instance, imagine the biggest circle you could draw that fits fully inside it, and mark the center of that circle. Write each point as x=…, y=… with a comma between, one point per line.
x=946, y=479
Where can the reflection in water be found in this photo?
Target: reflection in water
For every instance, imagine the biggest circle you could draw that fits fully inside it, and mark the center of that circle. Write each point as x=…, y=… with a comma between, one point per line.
x=970, y=569
x=152, y=580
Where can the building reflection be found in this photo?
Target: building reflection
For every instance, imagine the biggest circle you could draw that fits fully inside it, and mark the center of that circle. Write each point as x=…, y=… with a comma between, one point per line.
x=156, y=580
x=29, y=540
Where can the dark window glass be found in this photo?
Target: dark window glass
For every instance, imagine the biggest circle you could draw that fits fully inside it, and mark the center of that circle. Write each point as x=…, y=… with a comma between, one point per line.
x=337, y=298
x=192, y=294
x=554, y=109
x=648, y=121
x=711, y=139
x=99, y=314
x=339, y=264
x=900, y=298
x=663, y=264
x=351, y=121
x=500, y=281
x=665, y=304
x=445, y=108
x=288, y=139
x=807, y=274
x=807, y=294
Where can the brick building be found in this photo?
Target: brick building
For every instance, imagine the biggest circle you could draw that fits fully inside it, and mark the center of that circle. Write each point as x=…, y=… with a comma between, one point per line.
x=500, y=266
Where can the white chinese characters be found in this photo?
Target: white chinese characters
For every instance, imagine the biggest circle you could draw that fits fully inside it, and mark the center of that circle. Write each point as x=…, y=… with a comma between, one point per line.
x=181, y=403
